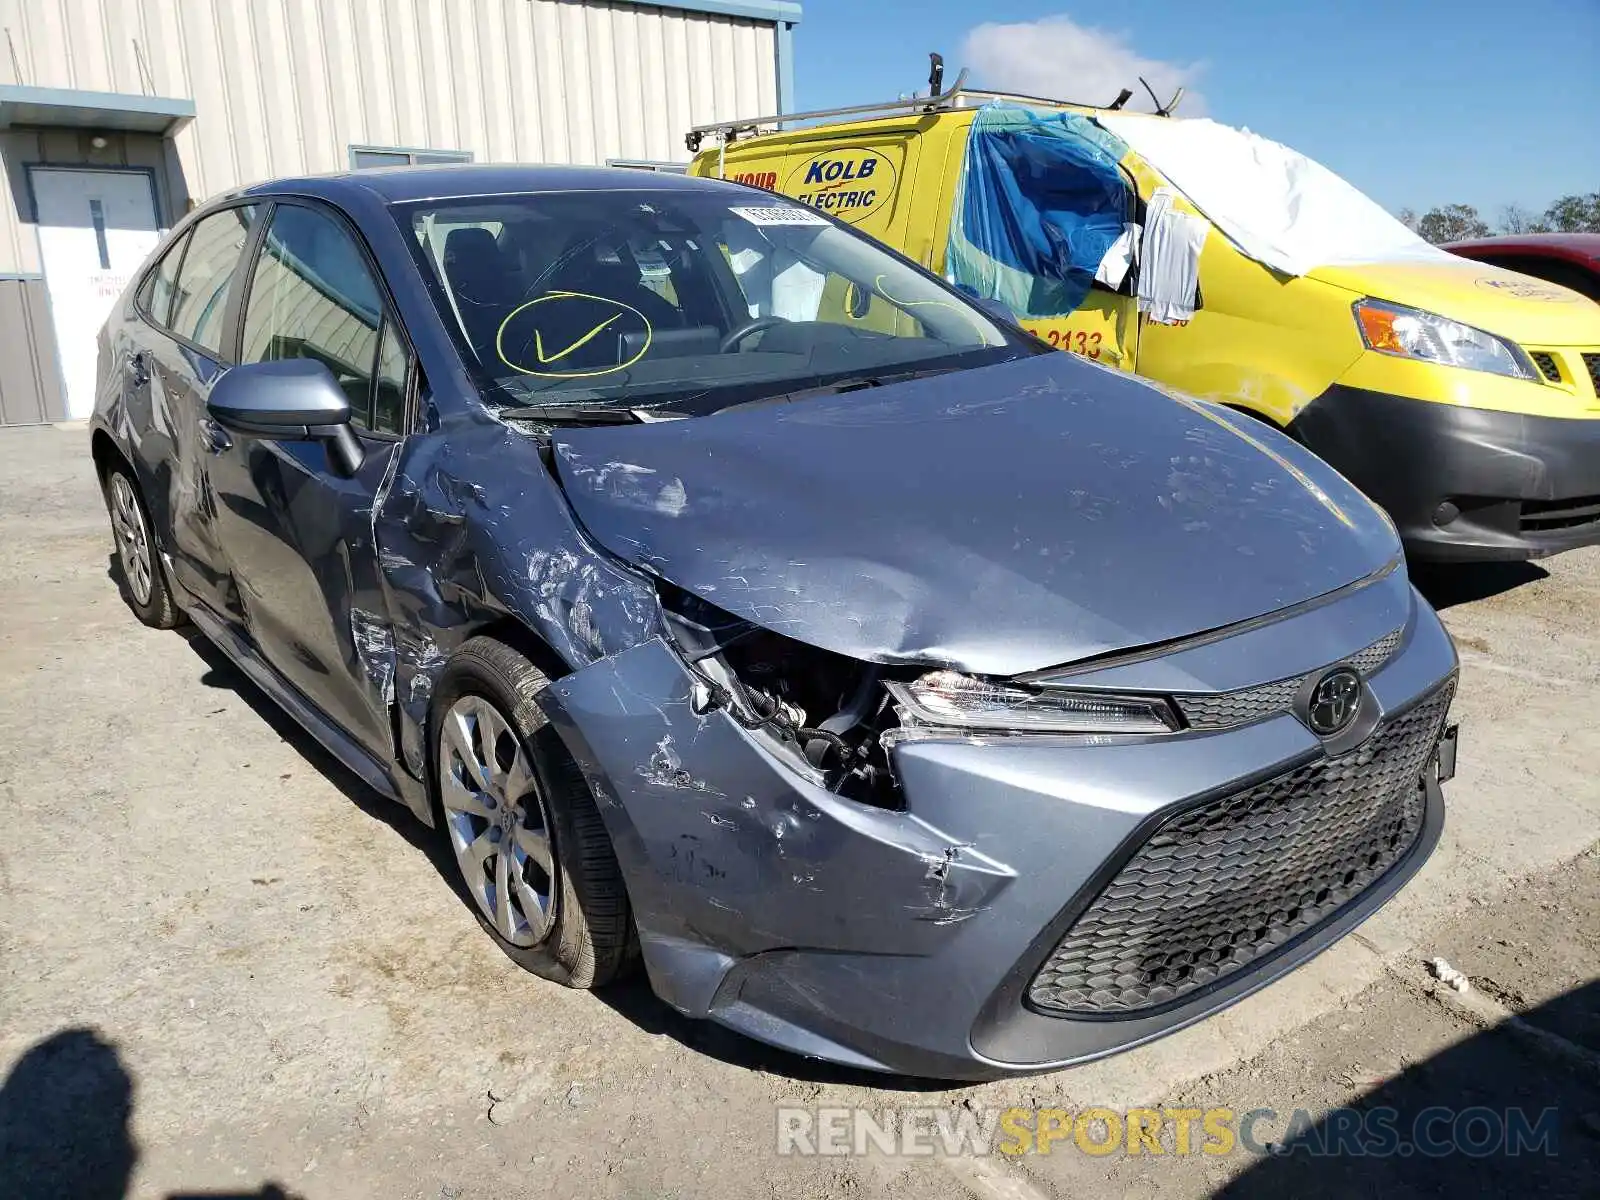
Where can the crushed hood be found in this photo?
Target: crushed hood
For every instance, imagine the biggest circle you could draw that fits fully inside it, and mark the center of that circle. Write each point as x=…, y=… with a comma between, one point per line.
x=1531, y=311
x=997, y=520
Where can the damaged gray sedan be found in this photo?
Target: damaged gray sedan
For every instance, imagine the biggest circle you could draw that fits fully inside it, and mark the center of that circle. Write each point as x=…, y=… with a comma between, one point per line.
x=733, y=595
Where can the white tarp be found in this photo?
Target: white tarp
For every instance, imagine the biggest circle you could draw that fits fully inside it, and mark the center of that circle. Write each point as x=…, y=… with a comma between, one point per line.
x=1169, y=271
x=1124, y=252
x=1274, y=203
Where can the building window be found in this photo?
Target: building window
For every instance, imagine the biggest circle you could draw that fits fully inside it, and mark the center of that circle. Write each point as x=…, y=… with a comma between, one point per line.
x=363, y=158
x=648, y=164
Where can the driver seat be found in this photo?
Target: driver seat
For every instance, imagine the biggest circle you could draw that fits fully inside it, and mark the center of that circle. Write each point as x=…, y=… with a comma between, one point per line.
x=483, y=284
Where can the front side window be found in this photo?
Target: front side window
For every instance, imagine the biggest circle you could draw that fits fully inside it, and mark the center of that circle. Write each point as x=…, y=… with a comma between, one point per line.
x=1044, y=213
x=389, y=381
x=693, y=300
x=312, y=295
x=200, y=296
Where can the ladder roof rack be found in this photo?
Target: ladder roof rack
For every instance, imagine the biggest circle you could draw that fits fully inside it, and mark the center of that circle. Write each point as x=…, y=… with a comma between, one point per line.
x=958, y=96
x=732, y=129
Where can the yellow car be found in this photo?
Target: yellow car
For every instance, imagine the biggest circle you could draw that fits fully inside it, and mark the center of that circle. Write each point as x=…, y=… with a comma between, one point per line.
x=1464, y=398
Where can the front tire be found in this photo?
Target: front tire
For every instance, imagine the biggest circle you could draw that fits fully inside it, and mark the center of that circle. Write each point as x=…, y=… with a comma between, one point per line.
x=520, y=822
x=143, y=584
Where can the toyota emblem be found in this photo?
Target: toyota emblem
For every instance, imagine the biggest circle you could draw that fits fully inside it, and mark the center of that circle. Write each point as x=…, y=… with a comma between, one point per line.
x=1334, y=701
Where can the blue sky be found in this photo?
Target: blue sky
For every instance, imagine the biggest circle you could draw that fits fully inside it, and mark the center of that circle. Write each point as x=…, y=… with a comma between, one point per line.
x=1416, y=102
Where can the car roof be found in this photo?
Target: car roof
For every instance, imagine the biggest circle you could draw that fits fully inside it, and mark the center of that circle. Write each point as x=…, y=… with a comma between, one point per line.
x=398, y=185
x=1574, y=247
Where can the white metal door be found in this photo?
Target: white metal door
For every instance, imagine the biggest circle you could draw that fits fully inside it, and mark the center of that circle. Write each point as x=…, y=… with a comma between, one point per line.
x=95, y=228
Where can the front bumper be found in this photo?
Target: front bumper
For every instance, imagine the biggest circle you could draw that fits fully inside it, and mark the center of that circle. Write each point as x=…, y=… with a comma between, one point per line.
x=906, y=941
x=1463, y=483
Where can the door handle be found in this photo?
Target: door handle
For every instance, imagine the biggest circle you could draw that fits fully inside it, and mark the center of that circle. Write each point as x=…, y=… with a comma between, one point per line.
x=140, y=367
x=217, y=439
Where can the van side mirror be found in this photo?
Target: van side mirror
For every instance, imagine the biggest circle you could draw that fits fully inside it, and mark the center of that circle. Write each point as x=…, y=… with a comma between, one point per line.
x=292, y=399
x=998, y=309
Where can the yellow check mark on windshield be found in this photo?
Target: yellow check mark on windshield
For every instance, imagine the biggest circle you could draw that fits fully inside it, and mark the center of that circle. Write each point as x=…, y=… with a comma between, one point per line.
x=538, y=341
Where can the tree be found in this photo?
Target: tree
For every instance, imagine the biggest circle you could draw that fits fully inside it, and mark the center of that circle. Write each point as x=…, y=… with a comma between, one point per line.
x=1516, y=219
x=1452, y=223
x=1458, y=222
x=1575, y=214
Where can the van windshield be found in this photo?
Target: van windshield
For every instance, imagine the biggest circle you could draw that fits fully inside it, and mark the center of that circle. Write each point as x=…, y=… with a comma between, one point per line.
x=689, y=301
x=1278, y=206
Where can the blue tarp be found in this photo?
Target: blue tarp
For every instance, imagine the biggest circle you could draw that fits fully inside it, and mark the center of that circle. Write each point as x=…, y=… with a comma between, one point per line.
x=1041, y=201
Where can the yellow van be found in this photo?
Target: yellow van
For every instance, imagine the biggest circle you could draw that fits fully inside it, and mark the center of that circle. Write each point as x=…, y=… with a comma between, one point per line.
x=1463, y=398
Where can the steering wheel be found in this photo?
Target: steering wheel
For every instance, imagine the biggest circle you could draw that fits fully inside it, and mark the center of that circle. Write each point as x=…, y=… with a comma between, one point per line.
x=749, y=328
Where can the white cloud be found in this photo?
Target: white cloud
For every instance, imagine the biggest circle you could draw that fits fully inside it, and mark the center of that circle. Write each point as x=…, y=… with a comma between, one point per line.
x=1058, y=58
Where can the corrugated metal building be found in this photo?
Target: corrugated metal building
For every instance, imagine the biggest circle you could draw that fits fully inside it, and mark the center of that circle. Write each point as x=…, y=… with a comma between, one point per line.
x=117, y=115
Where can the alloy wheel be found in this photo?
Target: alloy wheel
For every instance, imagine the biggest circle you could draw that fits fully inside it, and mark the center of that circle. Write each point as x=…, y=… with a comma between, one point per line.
x=133, y=538
x=497, y=821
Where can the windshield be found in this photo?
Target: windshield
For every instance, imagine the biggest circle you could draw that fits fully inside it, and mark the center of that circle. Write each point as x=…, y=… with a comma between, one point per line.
x=682, y=300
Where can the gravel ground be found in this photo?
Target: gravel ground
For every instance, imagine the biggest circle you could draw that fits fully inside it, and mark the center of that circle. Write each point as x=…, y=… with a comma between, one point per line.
x=226, y=968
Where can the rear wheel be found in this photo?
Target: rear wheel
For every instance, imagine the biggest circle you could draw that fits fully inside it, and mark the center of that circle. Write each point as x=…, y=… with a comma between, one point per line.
x=521, y=824
x=144, y=587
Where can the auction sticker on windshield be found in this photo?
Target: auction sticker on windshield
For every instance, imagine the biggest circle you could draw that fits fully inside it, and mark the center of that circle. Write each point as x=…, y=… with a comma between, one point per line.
x=780, y=214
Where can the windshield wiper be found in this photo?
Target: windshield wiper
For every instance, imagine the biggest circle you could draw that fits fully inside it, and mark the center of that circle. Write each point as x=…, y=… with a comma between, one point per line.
x=853, y=384
x=572, y=414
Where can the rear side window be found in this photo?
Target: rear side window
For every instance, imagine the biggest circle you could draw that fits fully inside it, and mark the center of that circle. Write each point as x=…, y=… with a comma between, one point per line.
x=201, y=296
x=162, y=283
x=313, y=296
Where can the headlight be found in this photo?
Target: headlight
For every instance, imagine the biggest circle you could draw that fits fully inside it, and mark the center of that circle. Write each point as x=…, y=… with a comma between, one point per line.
x=1412, y=333
x=948, y=699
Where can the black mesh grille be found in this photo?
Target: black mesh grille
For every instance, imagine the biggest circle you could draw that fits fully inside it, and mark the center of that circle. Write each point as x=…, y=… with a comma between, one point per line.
x=1592, y=361
x=1546, y=516
x=1547, y=365
x=1374, y=656
x=1225, y=710
x=1221, y=885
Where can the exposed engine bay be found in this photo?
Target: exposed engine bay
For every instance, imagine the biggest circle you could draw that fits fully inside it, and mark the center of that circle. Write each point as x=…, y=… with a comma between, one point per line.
x=823, y=712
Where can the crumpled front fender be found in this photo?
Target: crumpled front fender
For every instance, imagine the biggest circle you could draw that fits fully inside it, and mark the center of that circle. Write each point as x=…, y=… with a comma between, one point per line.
x=722, y=845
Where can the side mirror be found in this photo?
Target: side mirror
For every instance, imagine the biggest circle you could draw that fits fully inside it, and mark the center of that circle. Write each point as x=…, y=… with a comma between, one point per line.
x=998, y=309
x=293, y=399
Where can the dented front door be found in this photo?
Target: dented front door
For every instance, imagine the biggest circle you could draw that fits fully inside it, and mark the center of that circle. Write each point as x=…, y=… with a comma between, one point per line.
x=298, y=533
x=299, y=539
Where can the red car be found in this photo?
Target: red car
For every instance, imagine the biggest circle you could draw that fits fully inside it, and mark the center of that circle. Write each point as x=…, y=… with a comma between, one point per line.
x=1570, y=259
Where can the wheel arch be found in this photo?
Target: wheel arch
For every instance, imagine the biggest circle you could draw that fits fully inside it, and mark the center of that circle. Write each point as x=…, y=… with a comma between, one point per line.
x=105, y=452
x=1256, y=414
x=504, y=628
x=527, y=641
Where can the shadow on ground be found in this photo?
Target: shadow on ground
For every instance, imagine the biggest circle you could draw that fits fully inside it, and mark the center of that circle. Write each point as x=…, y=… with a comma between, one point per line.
x=1448, y=584
x=66, y=1113
x=1505, y=1112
